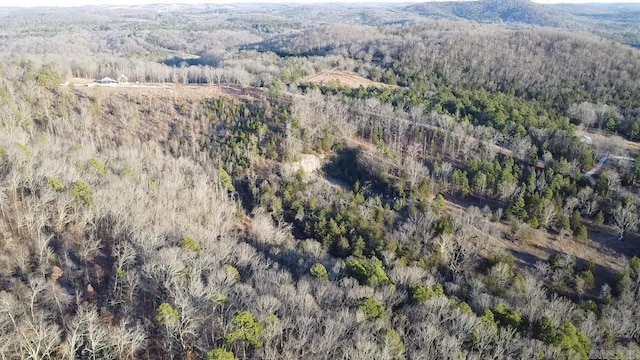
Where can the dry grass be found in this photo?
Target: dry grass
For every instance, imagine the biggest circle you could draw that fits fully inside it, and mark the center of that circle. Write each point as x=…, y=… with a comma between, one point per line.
x=181, y=91
x=632, y=146
x=602, y=248
x=165, y=90
x=543, y=244
x=601, y=137
x=345, y=78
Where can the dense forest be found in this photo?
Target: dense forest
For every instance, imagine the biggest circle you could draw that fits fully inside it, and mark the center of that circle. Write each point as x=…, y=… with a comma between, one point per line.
x=428, y=181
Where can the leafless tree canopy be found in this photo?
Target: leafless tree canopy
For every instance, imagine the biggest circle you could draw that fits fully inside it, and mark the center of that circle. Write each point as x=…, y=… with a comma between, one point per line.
x=238, y=193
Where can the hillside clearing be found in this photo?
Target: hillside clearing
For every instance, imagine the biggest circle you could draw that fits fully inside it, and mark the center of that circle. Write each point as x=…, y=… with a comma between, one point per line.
x=345, y=78
x=169, y=89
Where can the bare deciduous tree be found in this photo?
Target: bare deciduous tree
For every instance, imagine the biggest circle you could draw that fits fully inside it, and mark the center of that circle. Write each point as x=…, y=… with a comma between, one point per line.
x=625, y=219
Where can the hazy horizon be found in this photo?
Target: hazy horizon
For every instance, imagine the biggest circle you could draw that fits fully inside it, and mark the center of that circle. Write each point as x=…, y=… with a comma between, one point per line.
x=76, y=3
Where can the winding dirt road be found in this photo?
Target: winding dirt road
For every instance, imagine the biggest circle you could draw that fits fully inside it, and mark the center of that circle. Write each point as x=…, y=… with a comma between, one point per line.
x=589, y=174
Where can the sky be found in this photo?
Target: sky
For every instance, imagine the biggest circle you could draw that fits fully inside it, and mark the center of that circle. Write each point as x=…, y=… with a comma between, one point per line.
x=33, y=3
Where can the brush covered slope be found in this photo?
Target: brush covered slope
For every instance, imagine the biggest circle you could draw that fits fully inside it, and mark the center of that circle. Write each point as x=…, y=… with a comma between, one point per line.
x=357, y=183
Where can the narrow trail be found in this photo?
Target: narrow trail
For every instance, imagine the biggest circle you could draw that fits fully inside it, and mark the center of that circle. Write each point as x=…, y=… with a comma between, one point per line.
x=589, y=174
x=321, y=74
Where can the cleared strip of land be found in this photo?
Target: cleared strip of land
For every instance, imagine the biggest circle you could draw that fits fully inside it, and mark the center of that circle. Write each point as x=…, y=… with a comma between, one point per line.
x=345, y=78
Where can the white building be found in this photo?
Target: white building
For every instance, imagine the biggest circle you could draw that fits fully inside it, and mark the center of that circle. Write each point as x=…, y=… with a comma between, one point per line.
x=106, y=81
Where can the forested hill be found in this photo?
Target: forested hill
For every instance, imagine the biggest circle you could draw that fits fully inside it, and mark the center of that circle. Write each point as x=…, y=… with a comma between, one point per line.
x=618, y=22
x=339, y=181
x=557, y=68
x=488, y=11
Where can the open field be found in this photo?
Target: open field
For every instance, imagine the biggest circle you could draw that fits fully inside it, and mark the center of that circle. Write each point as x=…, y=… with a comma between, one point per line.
x=346, y=78
x=168, y=89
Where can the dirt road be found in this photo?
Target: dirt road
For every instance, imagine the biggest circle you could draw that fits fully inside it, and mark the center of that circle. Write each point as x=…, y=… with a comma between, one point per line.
x=589, y=174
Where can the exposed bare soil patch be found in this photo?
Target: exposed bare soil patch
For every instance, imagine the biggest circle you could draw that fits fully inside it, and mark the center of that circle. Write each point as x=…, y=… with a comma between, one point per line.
x=345, y=78
x=309, y=163
x=168, y=89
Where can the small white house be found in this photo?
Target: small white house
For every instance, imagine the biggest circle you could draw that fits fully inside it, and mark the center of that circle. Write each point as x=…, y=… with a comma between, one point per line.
x=123, y=79
x=106, y=81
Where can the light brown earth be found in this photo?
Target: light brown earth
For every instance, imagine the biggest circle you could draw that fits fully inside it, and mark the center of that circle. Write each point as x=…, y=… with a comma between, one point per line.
x=599, y=136
x=345, y=78
x=168, y=89
x=309, y=163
